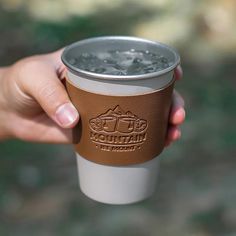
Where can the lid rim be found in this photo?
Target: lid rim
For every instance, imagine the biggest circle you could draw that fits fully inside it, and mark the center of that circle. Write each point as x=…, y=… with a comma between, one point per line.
x=119, y=77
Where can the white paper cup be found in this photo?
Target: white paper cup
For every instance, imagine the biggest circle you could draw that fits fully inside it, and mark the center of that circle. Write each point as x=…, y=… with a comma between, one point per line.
x=118, y=184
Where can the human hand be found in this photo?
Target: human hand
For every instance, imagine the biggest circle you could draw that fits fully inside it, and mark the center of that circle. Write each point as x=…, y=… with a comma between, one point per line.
x=33, y=102
x=177, y=113
x=35, y=106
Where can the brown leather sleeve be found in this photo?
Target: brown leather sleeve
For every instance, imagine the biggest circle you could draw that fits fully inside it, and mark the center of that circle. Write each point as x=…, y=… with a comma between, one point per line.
x=121, y=130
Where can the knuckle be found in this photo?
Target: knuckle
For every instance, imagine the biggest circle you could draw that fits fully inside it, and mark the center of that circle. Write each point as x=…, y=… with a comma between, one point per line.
x=47, y=92
x=29, y=65
x=50, y=97
x=26, y=68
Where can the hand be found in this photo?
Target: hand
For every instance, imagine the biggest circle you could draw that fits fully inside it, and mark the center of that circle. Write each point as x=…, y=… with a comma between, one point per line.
x=34, y=104
x=177, y=113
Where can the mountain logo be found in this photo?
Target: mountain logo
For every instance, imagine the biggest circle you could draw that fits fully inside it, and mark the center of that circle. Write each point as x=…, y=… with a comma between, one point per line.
x=118, y=130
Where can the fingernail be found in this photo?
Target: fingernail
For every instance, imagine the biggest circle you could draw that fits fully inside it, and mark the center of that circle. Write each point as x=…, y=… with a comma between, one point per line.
x=181, y=113
x=66, y=115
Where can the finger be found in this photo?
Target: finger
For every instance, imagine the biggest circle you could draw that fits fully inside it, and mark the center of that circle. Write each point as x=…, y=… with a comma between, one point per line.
x=55, y=60
x=51, y=133
x=173, y=134
x=41, y=82
x=41, y=129
x=177, y=113
x=178, y=73
x=55, y=134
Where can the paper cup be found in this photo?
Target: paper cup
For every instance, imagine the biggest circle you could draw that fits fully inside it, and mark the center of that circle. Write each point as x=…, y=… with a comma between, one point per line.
x=123, y=122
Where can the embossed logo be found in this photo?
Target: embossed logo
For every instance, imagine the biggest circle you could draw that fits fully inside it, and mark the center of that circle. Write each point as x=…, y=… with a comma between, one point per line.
x=118, y=131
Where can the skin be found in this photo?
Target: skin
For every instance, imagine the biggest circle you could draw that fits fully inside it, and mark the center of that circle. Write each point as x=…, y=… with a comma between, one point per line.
x=34, y=105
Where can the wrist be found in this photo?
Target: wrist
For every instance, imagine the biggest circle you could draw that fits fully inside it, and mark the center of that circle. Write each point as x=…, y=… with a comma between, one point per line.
x=4, y=130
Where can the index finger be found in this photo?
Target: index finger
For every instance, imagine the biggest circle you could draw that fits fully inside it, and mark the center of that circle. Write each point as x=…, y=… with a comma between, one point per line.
x=178, y=73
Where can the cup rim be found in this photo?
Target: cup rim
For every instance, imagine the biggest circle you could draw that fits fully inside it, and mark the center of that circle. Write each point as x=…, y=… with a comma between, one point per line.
x=100, y=76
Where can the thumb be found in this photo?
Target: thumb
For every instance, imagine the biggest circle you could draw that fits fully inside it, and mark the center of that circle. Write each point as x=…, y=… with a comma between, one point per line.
x=43, y=85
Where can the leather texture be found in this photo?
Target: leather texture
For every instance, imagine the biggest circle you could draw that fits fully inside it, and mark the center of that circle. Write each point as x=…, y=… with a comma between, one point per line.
x=120, y=130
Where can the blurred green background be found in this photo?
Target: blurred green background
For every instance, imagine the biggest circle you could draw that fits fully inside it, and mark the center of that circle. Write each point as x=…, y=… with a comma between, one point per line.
x=196, y=192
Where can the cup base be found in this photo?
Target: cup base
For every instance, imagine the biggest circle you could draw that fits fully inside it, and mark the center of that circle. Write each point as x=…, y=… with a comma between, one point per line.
x=117, y=184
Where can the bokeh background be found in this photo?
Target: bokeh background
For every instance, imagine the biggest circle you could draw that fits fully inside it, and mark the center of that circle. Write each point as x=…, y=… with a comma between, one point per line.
x=196, y=193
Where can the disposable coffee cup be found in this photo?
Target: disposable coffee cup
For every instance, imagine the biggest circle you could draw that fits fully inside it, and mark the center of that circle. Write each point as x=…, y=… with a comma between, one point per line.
x=123, y=114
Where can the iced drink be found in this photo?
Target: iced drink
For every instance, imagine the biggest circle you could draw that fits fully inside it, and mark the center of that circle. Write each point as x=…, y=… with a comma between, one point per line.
x=122, y=88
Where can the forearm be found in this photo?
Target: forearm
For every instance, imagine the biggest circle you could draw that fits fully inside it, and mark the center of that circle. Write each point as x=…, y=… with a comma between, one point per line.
x=4, y=134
